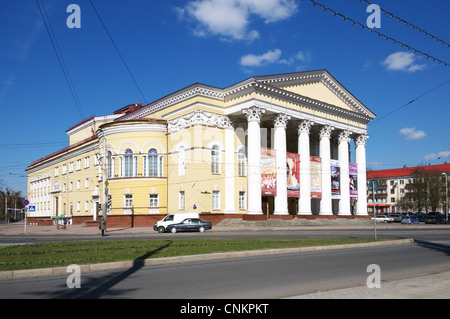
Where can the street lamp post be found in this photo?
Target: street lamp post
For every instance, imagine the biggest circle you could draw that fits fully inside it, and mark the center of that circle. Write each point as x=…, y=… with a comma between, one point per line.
x=446, y=198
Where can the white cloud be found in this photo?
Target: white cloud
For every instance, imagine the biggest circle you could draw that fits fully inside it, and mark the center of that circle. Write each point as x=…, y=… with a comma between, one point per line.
x=230, y=19
x=412, y=134
x=439, y=155
x=402, y=61
x=274, y=56
x=269, y=57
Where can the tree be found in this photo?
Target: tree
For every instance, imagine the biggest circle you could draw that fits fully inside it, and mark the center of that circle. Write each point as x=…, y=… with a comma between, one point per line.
x=14, y=199
x=427, y=192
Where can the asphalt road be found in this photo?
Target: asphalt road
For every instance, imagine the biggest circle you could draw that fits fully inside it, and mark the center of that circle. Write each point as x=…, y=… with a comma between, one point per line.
x=279, y=276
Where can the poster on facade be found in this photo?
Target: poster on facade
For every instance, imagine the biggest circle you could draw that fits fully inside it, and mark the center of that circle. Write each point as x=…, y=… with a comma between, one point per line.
x=268, y=172
x=293, y=174
x=353, y=169
x=316, y=177
x=335, y=179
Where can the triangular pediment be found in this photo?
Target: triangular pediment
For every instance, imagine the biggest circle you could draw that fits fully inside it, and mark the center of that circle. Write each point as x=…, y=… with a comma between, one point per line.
x=317, y=85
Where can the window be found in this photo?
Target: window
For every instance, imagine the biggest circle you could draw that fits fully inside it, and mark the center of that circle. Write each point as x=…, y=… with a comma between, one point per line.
x=86, y=206
x=56, y=171
x=215, y=160
x=78, y=165
x=128, y=163
x=216, y=200
x=242, y=205
x=78, y=206
x=128, y=201
x=154, y=201
x=71, y=167
x=181, y=200
x=109, y=167
x=392, y=199
x=86, y=162
x=86, y=183
x=241, y=162
x=64, y=169
x=78, y=184
x=152, y=162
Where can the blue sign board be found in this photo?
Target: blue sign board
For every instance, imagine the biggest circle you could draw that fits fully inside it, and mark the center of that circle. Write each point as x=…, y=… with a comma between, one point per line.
x=31, y=208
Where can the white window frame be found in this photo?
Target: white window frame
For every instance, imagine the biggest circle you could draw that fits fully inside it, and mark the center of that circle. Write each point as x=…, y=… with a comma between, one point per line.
x=181, y=200
x=215, y=159
x=242, y=162
x=242, y=200
x=127, y=203
x=216, y=200
x=153, y=201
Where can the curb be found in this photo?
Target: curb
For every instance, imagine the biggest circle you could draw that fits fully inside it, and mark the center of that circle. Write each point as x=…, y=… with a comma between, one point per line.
x=189, y=258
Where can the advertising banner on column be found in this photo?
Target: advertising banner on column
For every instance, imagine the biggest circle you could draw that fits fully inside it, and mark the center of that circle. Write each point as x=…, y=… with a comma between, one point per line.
x=335, y=179
x=268, y=171
x=353, y=169
x=293, y=174
x=316, y=177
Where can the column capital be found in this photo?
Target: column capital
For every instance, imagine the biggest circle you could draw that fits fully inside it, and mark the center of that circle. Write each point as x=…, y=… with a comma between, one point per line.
x=344, y=136
x=281, y=120
x=361, y=139
x=325, y=131
x=253, y=113
x=304, y=126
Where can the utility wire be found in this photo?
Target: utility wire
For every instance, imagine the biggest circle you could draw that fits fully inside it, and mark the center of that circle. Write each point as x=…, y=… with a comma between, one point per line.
x=354, y=22
x=410, y=102
x=59, y=56
x=421, y=30
x=117, y=49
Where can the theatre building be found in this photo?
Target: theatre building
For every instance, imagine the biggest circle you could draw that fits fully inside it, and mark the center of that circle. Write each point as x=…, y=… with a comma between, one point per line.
x=277, y=146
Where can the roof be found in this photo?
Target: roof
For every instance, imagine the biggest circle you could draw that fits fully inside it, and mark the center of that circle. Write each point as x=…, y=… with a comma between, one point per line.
x=407, y=171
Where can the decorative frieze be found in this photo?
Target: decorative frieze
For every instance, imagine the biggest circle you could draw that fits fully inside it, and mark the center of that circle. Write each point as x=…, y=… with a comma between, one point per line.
x=200, y=117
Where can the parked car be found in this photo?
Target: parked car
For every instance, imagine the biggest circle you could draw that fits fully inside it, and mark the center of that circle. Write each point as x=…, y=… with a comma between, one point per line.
x=384, y=219
x=410, y=219
x=161, y=226
x=190, y=224
x=421, y=216
x=434, y=218
x=396, y=217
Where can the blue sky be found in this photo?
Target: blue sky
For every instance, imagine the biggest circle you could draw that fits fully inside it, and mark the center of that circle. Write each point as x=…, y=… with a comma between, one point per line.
x=169, y=45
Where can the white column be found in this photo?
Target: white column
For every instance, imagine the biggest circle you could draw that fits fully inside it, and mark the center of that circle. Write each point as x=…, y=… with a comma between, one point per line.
x=230, y=207
x=280, y=123
x=360, y=158
x=254, y=115
x=325, y=154
x=304, y=202
x=343, y=157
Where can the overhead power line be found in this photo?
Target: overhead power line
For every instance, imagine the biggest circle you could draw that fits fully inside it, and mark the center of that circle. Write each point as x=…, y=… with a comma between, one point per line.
x=421, y=30
x=58, y=53
x=410, y=102
x=117, y=49
x=386, y=37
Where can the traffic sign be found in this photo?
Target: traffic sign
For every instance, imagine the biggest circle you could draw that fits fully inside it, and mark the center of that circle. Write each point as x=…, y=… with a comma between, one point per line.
x=373, y=185
x=25, y=202
x=31, y=208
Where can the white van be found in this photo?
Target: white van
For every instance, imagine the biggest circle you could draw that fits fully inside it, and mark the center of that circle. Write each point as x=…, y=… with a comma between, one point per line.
x=170, y=219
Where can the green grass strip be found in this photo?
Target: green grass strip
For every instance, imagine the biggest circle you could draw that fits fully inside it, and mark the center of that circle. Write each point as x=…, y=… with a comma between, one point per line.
x=54, y=254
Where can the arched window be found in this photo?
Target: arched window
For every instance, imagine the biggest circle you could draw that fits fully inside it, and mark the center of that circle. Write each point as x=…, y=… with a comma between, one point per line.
x=215, y=159
x=109, y=167
x=128, y=163
x=153, y=162
x=241, y=162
